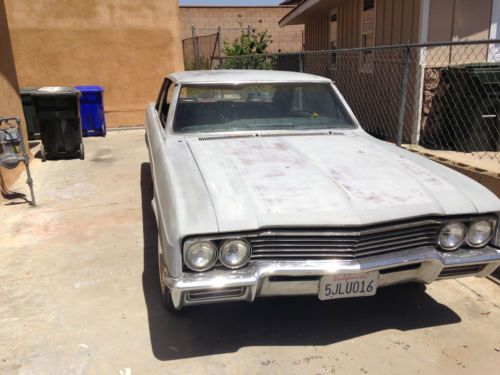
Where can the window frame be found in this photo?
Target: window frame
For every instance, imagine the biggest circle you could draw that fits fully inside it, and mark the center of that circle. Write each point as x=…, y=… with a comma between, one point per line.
x=347, y=111
x=168, y=84
x=333, y=65
x=366, y=61
x=161, y=94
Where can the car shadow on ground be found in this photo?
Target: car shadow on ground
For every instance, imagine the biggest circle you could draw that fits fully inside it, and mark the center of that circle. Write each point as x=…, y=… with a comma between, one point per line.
x=225, y=328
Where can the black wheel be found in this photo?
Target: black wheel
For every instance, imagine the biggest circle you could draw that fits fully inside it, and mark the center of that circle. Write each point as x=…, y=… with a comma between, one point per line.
x=166, y=295
x=42, y=154
x=103, y=129
x=82, y=152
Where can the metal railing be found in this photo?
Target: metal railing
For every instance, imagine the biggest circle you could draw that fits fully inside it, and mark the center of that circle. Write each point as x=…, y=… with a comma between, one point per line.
x=442, y=96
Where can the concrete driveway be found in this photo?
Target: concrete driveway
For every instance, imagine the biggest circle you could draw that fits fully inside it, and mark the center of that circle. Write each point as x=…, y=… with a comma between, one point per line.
x=79, y=295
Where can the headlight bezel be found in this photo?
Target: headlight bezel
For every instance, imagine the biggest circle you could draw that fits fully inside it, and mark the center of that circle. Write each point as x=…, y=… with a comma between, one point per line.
x=492, y=224
x=459, y=244
x=467, y=222
x=245, y=260
x=193, y=242
x=495, y=239
x=217, y=243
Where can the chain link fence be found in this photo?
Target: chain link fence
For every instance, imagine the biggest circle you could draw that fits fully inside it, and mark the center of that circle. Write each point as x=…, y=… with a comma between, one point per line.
x=200, y=52
x=439, y=96
x=204, y=51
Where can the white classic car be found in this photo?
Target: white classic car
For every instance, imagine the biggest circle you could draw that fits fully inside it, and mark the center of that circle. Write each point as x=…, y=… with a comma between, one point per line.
x=265, y=184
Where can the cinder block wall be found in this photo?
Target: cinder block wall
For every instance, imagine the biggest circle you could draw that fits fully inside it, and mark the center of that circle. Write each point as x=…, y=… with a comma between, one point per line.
x=286, y=39
x=127, y=46
x=10, y=103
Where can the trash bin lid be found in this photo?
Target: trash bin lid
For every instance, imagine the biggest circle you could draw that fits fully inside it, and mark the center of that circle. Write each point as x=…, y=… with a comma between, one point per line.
x=27, y=90
x=486, y=73
x=56, y=90
x=92, y=88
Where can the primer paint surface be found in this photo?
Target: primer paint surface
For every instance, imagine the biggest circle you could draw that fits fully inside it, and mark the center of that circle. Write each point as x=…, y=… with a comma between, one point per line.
x=317, y=180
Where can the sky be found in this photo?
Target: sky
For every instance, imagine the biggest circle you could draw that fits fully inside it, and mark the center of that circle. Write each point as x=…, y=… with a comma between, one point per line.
x=229, y=2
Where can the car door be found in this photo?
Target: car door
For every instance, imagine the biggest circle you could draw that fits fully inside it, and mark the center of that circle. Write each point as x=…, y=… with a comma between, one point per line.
x=157, y=120
x=157, y=127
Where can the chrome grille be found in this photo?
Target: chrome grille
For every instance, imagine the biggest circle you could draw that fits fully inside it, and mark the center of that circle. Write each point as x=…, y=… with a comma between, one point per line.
x=343, y=243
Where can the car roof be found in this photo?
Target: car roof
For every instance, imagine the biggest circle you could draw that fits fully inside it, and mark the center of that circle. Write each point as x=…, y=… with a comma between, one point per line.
x=242, y=76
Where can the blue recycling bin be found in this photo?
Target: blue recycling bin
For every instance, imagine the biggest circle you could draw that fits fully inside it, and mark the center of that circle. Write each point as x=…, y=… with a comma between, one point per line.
x=92, y=111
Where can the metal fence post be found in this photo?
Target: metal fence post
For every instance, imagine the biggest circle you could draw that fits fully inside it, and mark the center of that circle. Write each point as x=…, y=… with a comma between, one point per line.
x=219, y=34
x=196, y=48
x=301, y=62
x=402, y=96
x=419, y=99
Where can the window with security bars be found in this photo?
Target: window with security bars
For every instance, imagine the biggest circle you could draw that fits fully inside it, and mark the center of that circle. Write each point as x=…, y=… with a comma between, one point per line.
x=333, y=32
x=367, y=35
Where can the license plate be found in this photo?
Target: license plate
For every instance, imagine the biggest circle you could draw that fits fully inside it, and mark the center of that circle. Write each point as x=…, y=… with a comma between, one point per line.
x=349, y=285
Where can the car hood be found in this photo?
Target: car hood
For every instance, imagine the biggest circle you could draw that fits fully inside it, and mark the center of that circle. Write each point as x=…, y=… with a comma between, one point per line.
x=340, y=179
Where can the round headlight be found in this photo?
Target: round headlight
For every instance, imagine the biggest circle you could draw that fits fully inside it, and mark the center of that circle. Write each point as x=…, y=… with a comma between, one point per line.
x=200, y=256
x=479, y=233
x=235, y=253
x=452, y=236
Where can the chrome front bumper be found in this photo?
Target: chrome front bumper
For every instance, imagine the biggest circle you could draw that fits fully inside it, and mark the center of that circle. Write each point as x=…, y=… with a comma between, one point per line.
x=287, y=278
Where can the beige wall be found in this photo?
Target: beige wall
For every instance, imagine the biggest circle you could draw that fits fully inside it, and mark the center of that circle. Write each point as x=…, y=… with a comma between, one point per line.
x=458, y=20
x=396, y=22
x=286, y=39
x=10, y=103
x=316, y=32
x=126, y=46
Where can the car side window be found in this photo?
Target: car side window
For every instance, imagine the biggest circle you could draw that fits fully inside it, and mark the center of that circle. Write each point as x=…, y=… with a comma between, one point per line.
x=165, y=100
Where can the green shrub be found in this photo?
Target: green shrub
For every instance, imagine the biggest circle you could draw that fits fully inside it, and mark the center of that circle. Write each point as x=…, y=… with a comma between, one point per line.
x=244, y=53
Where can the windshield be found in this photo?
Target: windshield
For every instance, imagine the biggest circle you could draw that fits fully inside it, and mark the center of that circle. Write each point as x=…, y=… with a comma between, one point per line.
x=252, y=107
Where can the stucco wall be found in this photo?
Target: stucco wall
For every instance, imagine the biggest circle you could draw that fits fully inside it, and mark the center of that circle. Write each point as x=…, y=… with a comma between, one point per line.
x=10, y=104
x=127, y=46
x=286, y=39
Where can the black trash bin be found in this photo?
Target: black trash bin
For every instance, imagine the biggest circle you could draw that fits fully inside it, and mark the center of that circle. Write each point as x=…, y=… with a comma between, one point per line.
x=57, y=111
x=473, y=106
x=29, y=112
